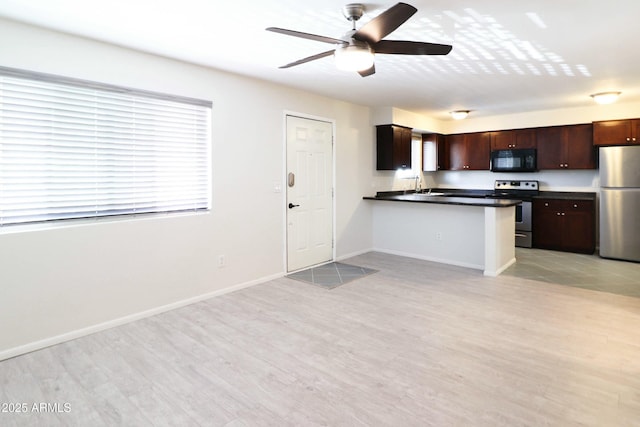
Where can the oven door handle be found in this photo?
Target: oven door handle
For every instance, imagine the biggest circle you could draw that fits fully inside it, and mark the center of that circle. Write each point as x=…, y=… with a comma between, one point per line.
x=520, y=235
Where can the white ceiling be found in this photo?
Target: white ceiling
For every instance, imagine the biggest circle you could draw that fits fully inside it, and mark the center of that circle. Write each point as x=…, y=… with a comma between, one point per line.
x=508, y=56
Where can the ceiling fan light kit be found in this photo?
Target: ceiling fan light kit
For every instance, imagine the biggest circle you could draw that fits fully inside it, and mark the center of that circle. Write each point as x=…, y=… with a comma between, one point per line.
x=353, y=58
x=356, y=49
x=605, y=97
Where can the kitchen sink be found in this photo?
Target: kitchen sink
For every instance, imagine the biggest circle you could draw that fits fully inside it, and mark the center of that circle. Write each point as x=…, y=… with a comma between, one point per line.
x=433, y=193
x=424, y=195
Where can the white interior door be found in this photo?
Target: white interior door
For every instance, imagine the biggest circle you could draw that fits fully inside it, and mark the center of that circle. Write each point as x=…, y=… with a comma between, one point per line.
x=309, y=192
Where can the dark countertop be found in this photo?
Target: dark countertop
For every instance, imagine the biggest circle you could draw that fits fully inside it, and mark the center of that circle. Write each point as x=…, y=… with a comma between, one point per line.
x=444, y=200
x=470, y=197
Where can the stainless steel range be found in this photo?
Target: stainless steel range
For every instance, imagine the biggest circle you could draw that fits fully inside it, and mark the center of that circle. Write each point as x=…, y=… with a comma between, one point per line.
x=519, y=190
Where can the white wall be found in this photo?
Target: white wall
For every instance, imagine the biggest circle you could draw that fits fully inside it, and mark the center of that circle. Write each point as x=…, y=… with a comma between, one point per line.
x=56, y=282
x=449, y=234
x=550, y=180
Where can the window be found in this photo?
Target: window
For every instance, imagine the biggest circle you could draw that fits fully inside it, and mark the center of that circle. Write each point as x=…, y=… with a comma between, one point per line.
x=75, y=149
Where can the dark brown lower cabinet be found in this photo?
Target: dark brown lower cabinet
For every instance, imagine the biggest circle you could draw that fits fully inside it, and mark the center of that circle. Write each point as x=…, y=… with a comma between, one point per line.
x=564, y=225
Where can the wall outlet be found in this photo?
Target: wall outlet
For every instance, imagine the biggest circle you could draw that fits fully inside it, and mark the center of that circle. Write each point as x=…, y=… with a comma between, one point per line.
x=222, y=261
x=438, y=236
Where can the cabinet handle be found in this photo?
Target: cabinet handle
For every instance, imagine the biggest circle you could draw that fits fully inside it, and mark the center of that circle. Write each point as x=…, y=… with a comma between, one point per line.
x=562, y=213
x=575, y=206
x=558, y=213
x=546, y=204
x=628, y=139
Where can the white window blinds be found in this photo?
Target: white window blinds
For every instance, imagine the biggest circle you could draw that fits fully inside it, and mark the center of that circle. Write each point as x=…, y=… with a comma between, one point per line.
x=76, y=149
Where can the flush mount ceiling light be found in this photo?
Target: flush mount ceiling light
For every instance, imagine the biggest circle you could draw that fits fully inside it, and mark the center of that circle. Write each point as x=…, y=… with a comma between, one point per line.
x=459, y=114
x=605, y=97
x=354, y=57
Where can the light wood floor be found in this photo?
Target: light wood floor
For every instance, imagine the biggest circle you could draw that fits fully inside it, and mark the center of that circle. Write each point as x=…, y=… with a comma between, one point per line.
x=415, y=344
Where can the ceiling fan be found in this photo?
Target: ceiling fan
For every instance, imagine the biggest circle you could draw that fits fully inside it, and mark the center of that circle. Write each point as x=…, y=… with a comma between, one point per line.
x=355, y=50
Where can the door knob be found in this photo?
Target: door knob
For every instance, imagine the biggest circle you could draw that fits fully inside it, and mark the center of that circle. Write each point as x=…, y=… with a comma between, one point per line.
x=291, y=205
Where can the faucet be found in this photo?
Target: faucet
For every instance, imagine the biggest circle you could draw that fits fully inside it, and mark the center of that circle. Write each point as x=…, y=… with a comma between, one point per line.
x=417, y=188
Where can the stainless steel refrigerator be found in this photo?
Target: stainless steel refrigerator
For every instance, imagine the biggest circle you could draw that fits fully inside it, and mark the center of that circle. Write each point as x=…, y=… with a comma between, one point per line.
x=620, y=202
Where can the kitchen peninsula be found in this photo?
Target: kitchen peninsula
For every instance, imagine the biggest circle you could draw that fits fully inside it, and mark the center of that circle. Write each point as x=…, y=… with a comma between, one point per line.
x=464, y=231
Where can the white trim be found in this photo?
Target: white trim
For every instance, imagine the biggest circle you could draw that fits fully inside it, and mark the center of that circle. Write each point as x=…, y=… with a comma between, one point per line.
x=78, y=333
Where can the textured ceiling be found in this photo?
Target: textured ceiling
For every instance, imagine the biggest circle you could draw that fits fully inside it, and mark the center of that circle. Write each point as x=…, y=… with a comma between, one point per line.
x=508, y=56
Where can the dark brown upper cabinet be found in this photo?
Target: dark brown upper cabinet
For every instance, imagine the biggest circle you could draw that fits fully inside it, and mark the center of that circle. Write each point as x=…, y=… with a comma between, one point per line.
x=469, y=151
x=566, y=147
x=616, y=132
x=509, y=139
x=393, y=147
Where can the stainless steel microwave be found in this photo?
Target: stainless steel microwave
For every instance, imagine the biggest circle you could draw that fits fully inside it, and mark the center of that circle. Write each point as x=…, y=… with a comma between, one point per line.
x=517, y=160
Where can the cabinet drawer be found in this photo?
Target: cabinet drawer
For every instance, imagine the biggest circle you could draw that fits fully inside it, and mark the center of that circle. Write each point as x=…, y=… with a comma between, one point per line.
x=548, y=204
x=579, y=205
x=564, y=205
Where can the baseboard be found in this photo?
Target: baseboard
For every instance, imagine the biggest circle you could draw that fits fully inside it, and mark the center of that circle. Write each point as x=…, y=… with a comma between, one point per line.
x=353, y=254
x=47, y=342
x=501, y=269
x=432, y=259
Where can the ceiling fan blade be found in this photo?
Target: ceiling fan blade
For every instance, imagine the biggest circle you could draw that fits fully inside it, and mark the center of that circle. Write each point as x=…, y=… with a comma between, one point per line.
x=368, y=71
x=308, y=59
x=400, y=47
x=385, y=23
x=306, y=35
